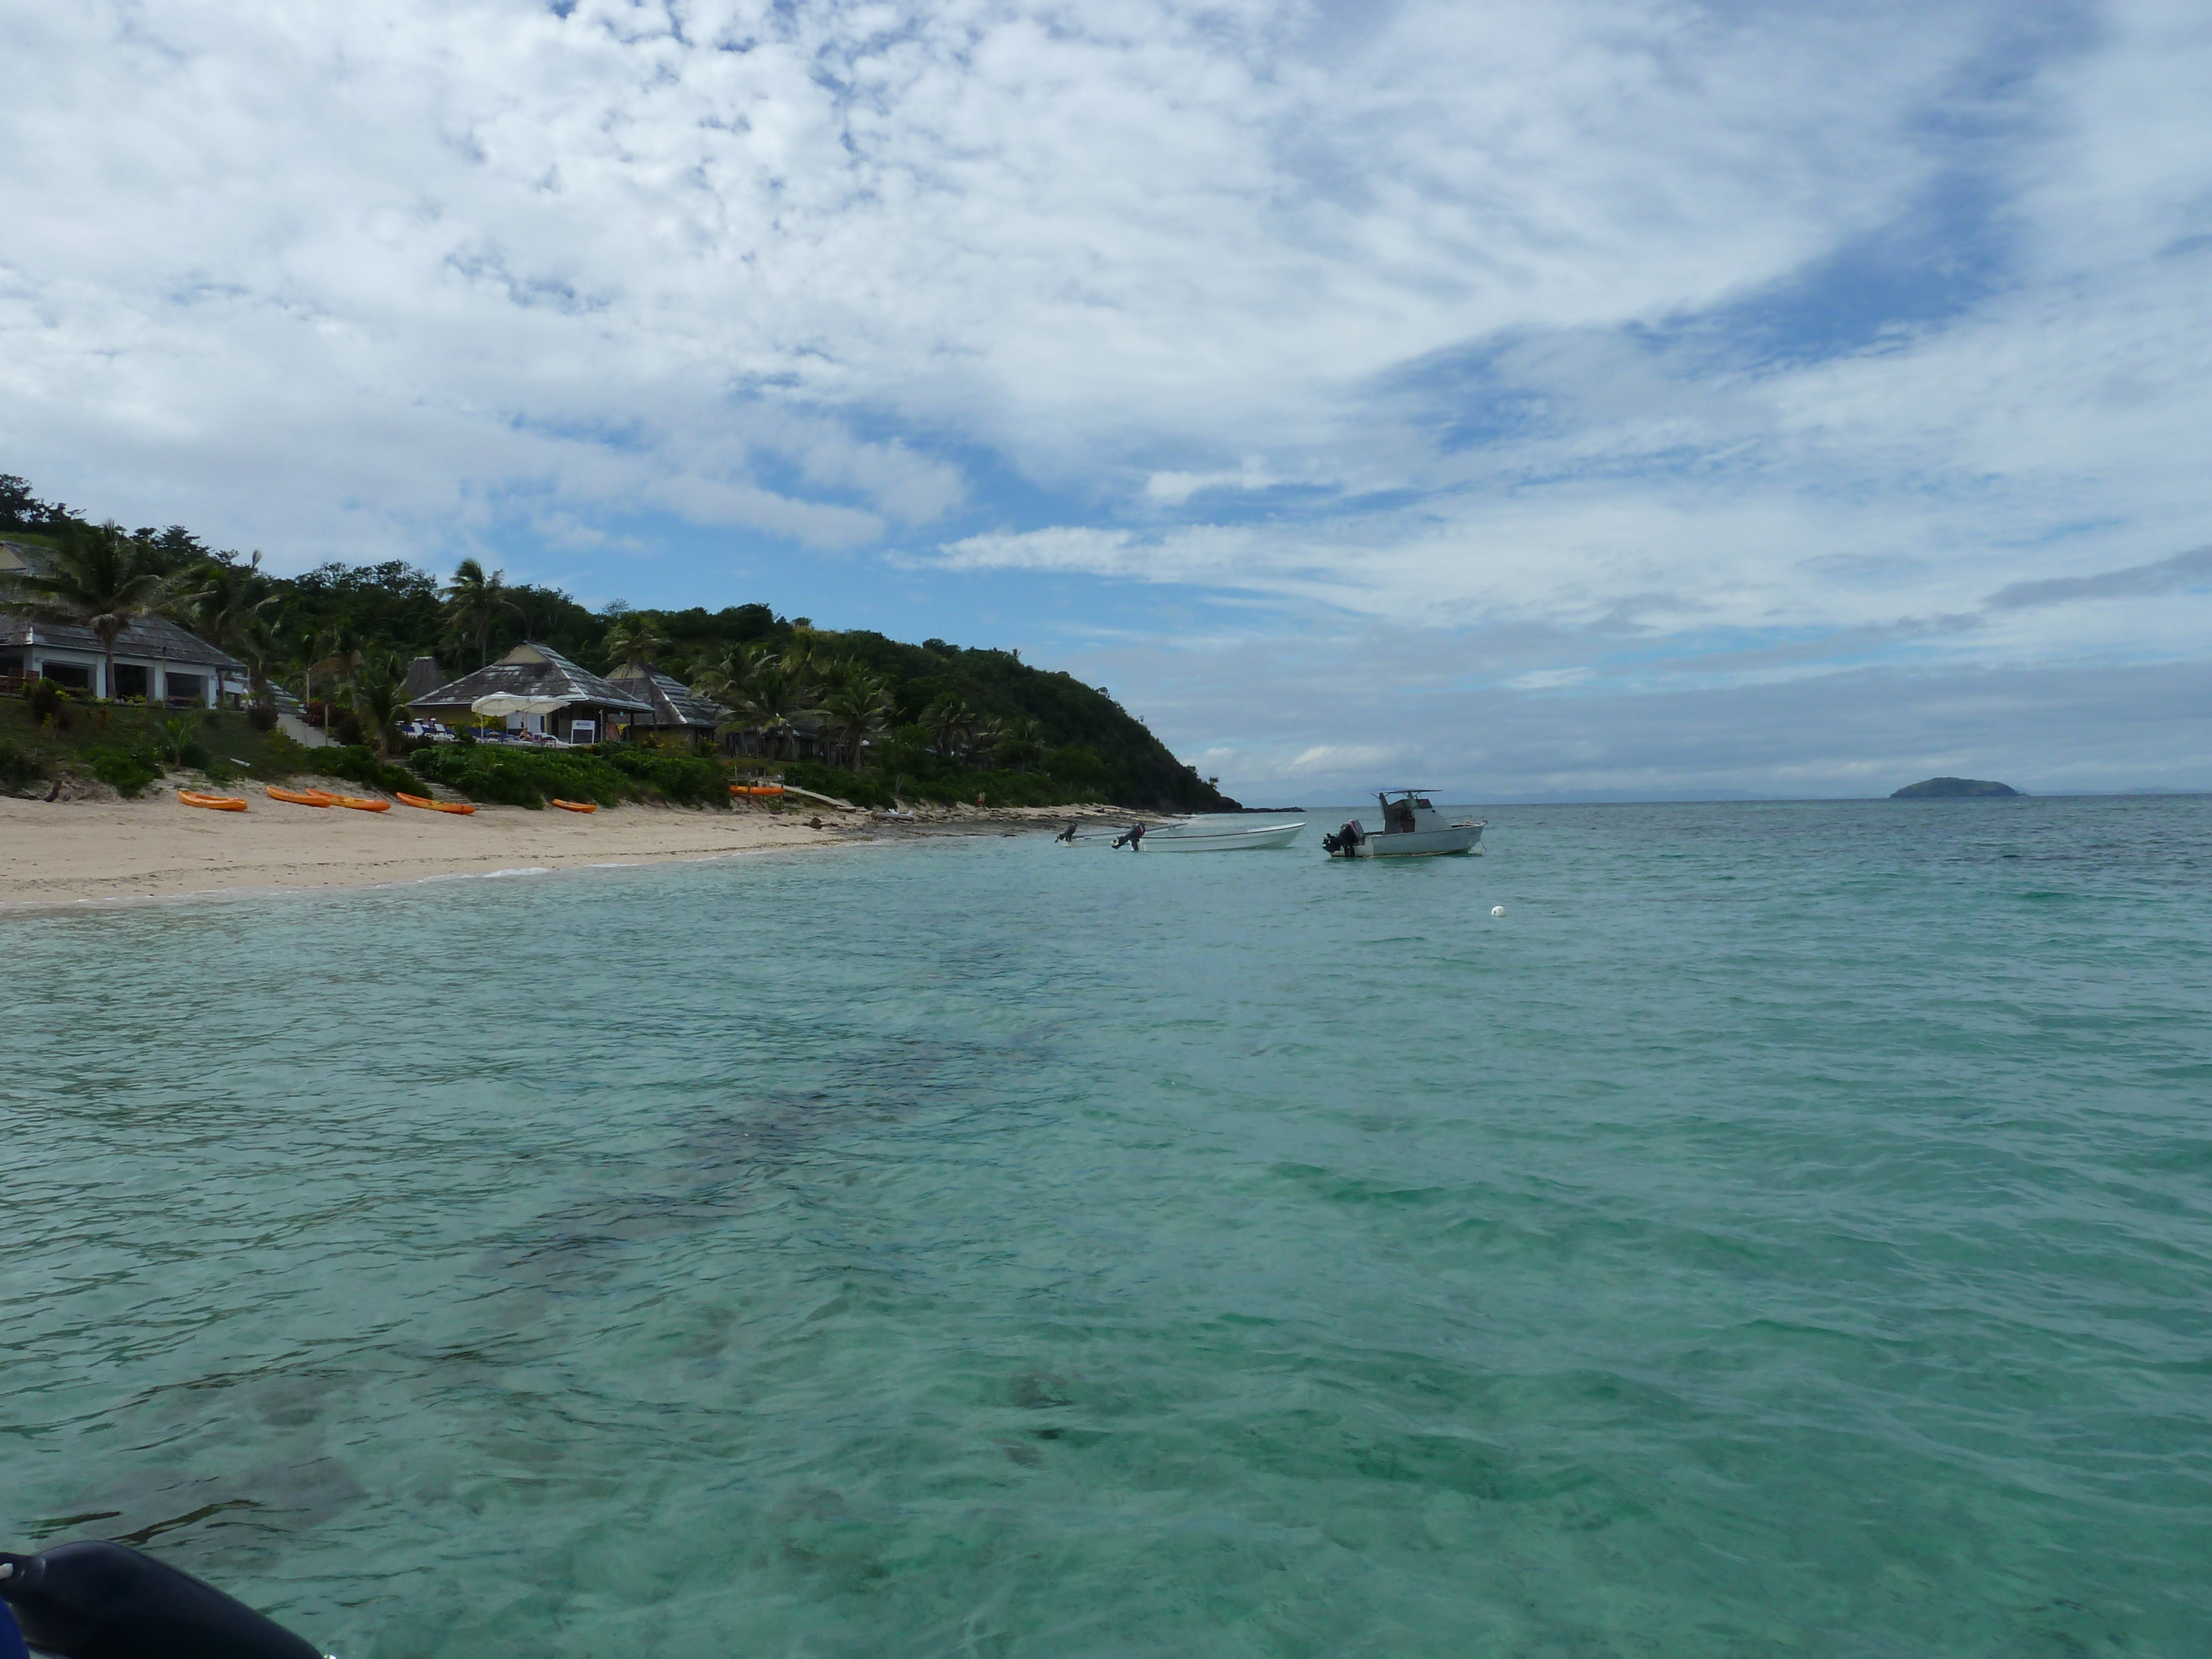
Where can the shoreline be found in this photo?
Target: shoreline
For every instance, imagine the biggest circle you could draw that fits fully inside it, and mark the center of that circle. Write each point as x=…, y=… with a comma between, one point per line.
x=59, y=854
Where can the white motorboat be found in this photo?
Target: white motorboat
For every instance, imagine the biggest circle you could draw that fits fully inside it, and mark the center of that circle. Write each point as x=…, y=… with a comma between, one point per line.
x=1412, y=827
x=1218, y=838
x=1185, y=836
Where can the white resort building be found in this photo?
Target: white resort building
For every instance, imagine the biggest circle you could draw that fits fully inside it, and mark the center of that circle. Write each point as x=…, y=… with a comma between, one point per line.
x=155, y=659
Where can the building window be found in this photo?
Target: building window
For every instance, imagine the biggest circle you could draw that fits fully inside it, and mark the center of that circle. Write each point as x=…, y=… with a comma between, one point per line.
x=76, y=675
x=188, y=685
x=133, y=680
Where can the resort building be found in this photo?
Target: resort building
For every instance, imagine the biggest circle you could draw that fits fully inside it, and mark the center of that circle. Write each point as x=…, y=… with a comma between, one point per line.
x=679, y=713
x=155, y=659
x=591, y=710
x=424, y=676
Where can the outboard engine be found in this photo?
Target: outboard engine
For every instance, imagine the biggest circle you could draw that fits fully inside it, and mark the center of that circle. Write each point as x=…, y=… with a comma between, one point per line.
x=99, y=1600
x=1345, y=843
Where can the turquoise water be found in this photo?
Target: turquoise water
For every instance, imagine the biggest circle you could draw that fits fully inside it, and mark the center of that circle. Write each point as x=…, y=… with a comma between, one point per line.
x=1786, y=1232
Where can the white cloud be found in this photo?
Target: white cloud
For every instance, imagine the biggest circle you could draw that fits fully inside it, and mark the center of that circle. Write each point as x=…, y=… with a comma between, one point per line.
x=1329, y=759
x=1551, y=679
x=1174, y=488
x=1444, y=315
x=1052, y=228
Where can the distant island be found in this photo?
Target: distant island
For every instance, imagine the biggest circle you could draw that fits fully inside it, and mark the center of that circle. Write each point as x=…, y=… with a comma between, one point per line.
x=1953, y=789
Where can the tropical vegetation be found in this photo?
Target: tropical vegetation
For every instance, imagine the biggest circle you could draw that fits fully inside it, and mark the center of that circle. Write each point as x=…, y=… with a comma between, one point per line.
x=881, y=720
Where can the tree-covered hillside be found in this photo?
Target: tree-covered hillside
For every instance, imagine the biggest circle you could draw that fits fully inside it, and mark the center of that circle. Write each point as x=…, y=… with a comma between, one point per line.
x=877, y=718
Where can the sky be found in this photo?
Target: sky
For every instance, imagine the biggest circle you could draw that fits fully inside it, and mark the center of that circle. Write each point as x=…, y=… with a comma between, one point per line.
x=1601, y=399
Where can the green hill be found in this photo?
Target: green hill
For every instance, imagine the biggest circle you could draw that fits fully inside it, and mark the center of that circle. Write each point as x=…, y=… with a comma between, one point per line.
x=951, y=721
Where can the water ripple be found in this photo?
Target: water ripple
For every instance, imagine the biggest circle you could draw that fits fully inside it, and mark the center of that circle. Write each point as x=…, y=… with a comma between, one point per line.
x=1788, y=1231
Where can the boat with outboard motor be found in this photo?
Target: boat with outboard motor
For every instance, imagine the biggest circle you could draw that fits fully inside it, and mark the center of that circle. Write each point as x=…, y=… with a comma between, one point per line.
x=1412, y=827
x=1200, y=837
x=1185, y=836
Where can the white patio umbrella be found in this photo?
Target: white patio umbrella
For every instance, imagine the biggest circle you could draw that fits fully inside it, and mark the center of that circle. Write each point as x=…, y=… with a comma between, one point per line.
x=503, y=704
x=500, y=704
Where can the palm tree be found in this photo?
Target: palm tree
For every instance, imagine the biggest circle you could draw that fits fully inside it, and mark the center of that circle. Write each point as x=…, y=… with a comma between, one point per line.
x=343, y=650
x=634, y=639
x=473, y=602
x=804, y=661
x=855, y=712
x=1020, y=744
x=766, y=707
x=98, y=579
x=172, y=736
x=727, y=680
x=951, y=724
x=378, y=698
x=259, y=643
x=226, y=602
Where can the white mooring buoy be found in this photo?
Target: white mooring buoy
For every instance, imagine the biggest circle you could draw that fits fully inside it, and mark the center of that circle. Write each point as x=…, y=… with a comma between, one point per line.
x=1497, y=910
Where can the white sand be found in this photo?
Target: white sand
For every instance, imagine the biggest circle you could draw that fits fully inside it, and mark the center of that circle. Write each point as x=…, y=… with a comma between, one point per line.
x=82, y=851
x=65, y=852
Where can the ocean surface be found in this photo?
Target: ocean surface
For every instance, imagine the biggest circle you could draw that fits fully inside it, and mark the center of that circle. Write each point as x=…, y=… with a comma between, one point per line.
x=1788, y=1231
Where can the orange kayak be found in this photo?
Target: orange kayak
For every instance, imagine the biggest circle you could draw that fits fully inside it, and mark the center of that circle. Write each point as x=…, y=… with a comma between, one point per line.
x=462, y=807
x=360, y=806
x=213, y=803
x=755, y=788
x=577, y=806
x=298, y=797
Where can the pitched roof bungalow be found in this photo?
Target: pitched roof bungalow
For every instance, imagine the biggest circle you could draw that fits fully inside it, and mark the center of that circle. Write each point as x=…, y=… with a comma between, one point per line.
x=155, y=659
x=677, y=710
x=588, y=703
x=424, y=676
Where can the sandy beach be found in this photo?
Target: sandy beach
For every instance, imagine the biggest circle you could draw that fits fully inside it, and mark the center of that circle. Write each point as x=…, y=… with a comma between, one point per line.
x=83, y=851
